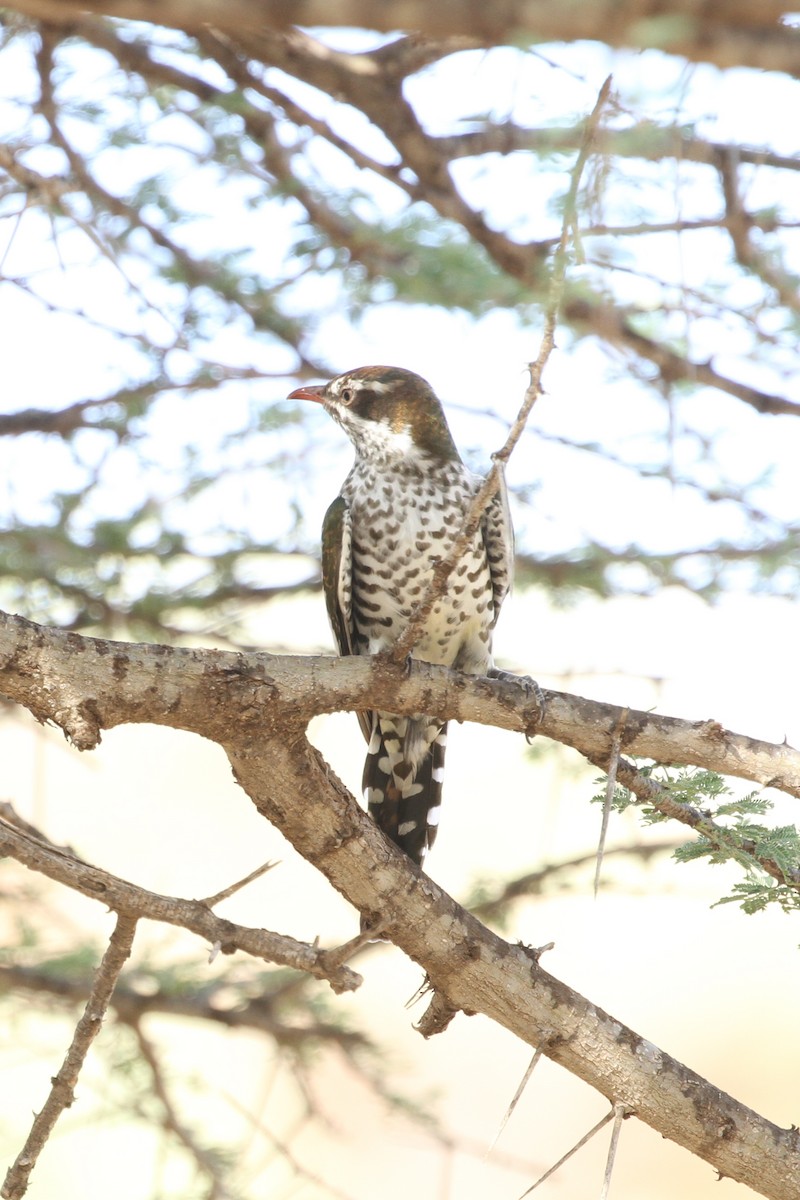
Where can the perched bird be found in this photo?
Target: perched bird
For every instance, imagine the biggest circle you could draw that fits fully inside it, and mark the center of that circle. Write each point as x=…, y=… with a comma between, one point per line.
x=399, y=511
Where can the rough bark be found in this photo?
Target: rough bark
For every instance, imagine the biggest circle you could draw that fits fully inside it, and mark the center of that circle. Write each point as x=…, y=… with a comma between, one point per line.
x=724, y=33
x=257, y=707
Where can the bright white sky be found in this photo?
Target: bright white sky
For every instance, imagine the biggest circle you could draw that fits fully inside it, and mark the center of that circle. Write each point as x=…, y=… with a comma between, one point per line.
x=52, y=359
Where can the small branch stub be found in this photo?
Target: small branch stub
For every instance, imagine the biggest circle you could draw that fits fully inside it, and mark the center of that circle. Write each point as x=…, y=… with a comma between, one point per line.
x=436, y=1017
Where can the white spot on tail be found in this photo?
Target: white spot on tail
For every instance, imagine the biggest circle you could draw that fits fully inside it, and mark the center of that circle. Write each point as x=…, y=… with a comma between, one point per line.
x=406, y=827
x=397, y=725
x=433, y=815
x=385, y=764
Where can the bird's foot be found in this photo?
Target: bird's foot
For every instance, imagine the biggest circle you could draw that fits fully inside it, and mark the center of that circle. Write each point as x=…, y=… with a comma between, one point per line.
x=390, y=657
x=532, y=690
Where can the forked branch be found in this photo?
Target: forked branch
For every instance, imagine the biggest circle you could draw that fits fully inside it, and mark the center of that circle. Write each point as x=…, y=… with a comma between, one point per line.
x=128, y=899
x=256, y=707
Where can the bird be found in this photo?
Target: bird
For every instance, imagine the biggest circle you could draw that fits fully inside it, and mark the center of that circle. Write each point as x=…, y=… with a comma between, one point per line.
x=398, y=513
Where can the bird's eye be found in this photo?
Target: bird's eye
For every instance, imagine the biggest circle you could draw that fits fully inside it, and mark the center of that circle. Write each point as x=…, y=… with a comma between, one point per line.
x=347, y=396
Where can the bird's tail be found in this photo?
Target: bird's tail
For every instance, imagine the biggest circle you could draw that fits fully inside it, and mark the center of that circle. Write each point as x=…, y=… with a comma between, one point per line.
x=402, y=781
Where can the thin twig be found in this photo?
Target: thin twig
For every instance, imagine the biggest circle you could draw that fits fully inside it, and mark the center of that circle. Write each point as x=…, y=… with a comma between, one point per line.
x=611, y=783
x=523, y=1084
x=225, y=1002
x=218, y=897
x=621, y=1111
x=9, y=813
x=586, y=1138
x=207, y=1161
x=281, y=1145
x=62, y=1092
x=493, y=481
x=558, y=279
x=649, y=791
x=533, y=882
x=337, y=956
x=128, y=898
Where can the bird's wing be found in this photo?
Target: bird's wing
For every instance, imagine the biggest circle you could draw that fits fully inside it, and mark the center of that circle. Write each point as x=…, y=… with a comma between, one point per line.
x=498, y=538
x=337, y=583
x=337, y=573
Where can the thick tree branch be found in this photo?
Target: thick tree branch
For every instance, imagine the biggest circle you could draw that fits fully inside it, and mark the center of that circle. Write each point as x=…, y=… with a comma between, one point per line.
x=256, y=707
x=615, y=326
x=372, y=82
x=724, y=32
x=472, y=970
x=76, y=683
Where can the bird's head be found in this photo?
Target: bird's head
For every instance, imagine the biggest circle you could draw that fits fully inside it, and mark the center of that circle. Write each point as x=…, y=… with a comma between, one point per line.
x=387, y=412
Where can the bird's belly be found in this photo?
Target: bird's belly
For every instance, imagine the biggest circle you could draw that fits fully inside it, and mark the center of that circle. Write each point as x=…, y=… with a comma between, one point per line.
x=392, y=570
